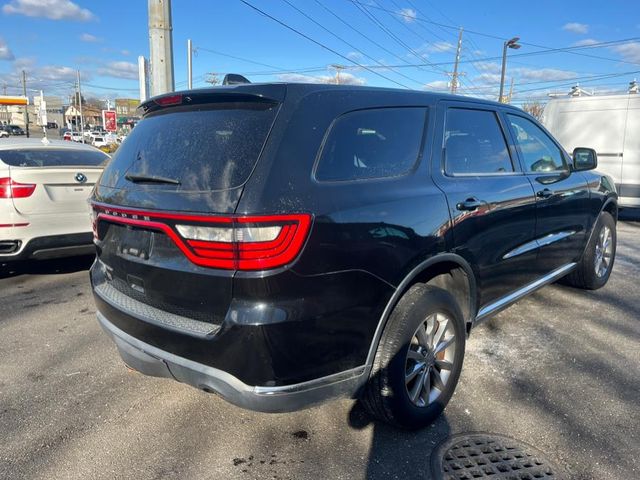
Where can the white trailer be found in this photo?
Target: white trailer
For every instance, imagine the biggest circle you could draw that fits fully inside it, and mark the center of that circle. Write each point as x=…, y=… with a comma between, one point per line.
x=610, y=124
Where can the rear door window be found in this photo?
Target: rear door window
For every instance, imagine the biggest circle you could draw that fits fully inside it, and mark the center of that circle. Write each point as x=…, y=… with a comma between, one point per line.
x=474, y=143
x=375, y=143
x=204, y=149
x=53, y=157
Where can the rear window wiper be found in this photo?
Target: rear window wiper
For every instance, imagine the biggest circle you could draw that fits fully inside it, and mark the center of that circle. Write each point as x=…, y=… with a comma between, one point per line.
x=150, y=179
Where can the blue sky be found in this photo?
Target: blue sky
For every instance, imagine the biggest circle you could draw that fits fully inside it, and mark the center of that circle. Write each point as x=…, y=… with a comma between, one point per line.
x=408, y=42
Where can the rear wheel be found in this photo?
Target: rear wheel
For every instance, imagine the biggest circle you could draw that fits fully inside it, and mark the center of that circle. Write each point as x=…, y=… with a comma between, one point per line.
x=595, y=267
x=419, y=359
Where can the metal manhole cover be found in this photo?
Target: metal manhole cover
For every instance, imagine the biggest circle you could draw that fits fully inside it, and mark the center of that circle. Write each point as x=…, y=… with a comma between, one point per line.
x=485, y=455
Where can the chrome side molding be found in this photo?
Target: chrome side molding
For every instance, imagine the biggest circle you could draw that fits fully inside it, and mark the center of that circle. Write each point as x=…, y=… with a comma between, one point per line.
x=502, y=303
x=537, y=243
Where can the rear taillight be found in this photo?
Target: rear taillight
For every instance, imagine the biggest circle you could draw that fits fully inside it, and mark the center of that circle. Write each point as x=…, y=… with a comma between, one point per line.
x=11, y=189
x=232, y=242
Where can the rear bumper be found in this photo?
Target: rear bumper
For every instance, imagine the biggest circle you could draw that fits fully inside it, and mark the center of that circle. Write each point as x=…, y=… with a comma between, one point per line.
x=153, y=361
x=56, y=246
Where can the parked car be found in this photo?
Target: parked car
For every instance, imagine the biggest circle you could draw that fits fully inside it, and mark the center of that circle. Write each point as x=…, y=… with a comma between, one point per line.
x=14, y=130
x=610, y=125
x=285, y=244
x=51, y=125
x=98, y=141
x=4, y=134
x=44, y=188
x=76, y=136
x=67, y=136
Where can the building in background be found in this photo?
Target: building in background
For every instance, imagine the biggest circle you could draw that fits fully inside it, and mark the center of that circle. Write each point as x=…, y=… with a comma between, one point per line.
x=55, y=110
x=92, y=117
x=126, y=111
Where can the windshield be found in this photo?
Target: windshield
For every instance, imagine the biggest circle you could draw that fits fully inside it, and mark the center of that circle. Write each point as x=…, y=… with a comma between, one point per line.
x=53, y=157
x=211, y=148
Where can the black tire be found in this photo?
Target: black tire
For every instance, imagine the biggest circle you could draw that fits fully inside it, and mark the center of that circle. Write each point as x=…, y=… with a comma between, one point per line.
x=386, y=395
x=584, y=275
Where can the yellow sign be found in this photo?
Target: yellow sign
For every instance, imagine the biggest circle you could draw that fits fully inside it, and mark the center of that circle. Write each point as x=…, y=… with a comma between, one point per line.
x=9, y=100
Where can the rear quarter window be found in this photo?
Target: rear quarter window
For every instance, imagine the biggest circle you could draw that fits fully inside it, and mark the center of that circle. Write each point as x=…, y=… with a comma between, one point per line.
x=369, y=144
x=53, y=157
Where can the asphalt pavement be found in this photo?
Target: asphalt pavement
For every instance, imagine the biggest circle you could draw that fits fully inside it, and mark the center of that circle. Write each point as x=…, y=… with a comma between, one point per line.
x=560, y=370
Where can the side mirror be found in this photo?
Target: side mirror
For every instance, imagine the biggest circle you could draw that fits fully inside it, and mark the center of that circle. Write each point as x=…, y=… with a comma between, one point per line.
x=584, y=159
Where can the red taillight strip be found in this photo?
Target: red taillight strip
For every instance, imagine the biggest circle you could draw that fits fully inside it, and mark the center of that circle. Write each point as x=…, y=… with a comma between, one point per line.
x=237, y=255
x=13, y=225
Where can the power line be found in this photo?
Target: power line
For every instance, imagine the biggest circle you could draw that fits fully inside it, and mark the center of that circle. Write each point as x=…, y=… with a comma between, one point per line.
x=385, y=29
x=347, y=43
x=319, y=43
x=362, y=34
x=236, y=57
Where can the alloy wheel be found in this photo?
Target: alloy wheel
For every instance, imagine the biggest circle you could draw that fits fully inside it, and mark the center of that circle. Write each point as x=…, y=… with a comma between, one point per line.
x=604, y=252
x=430, y=359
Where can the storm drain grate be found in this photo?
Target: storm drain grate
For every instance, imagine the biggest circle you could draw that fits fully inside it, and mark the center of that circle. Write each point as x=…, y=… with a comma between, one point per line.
x=483, y=455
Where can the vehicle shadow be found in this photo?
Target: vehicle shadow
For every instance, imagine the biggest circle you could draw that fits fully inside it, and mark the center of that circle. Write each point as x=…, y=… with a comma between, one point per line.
x=397, y=452
x=46, y=267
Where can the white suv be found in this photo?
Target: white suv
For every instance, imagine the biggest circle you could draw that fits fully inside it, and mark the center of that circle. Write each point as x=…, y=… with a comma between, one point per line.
x=44, y=188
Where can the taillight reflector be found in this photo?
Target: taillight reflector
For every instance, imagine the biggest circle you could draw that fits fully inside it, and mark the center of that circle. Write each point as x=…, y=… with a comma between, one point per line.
x=12, y=189
x=258, y=242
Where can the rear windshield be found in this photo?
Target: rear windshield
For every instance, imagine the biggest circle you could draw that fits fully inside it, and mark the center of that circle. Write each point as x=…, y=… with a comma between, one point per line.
x=205, y=149
x=53, y=157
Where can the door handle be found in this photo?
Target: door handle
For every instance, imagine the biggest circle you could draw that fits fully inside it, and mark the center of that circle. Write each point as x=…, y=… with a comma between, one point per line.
x=469, y=204
x=544, y=193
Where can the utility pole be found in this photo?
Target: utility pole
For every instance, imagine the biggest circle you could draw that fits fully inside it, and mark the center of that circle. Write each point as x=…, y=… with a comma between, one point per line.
x=513, y=43
x=454, y=77
x=80, y=102
x=189, y=65
x=161, y=47
x=143, y=78
x=338, y=69
x=26, y=107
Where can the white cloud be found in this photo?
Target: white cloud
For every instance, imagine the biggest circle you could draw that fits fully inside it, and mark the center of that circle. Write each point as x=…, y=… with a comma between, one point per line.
x=487, y=78
x=409, y=15
x=55, y=73
x=442, y=47
x=345, y=78
x=5, y=51
x=488, y=67
x=537, y=74
x=126, y=53
x=629, y=51
x=585, y=43
x=437, y=85
x=575, y=27
x=87, y=37
x=355, y=56
x=125, y=70
x=51, y=9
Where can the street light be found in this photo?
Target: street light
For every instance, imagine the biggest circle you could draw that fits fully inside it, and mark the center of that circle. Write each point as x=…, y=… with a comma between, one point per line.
x=513, y=43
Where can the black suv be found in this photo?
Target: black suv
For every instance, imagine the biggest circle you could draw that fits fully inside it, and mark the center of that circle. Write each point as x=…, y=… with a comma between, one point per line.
x=281, y=244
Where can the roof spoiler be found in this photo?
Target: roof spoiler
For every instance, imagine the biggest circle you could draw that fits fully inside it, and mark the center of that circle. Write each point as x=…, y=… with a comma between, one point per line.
x=255, y=93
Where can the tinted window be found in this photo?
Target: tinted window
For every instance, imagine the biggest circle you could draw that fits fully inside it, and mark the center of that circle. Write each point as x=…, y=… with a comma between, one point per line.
x=209, y=149
x=539, y=152
x=372, y=144
x=474, y=143
x=52, y=157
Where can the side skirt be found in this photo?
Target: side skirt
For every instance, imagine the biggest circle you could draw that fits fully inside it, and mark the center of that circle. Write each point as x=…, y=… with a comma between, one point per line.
x=488, y=311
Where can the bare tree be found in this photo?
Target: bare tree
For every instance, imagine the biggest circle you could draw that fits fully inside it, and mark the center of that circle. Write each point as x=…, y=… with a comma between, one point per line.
x=534, y=109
